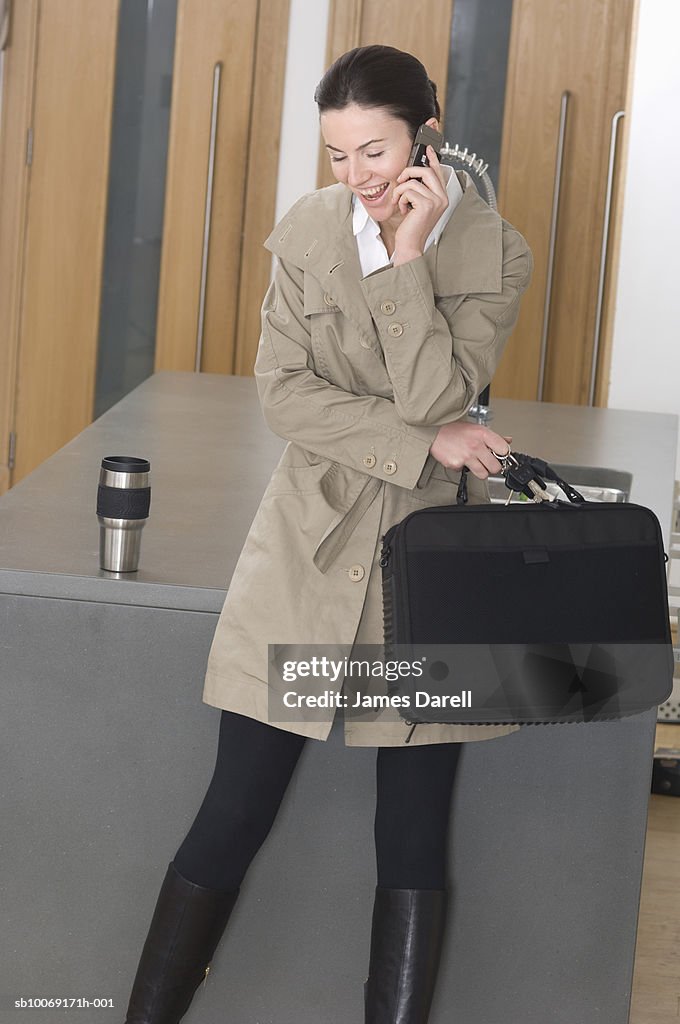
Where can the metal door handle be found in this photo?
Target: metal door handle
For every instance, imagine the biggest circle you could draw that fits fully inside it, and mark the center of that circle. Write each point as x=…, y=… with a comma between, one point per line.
x=217, y=72
x=553, y=239
x=613, y=139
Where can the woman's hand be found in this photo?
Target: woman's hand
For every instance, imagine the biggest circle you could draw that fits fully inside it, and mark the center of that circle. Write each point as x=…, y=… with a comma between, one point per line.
x=425, y=190
x=469, y=444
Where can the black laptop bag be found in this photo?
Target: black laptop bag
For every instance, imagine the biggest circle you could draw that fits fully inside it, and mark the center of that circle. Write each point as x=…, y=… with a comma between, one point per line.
x=544, y=612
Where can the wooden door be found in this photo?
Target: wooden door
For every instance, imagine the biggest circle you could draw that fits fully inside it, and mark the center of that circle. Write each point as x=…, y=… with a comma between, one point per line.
x=58, y=94
x=17, y=103
x=57, y=279
x=421, y=28
x=579, y=47
x=214, y=269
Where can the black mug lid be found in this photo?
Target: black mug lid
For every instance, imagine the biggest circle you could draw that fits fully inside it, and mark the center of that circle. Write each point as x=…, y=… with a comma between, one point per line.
x=126, y=464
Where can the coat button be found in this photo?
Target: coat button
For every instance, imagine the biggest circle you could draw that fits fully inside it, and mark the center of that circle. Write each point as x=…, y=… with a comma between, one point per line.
x=328, y=299
x=356, y=573
x=390, y=467
x=369, y=460
x=388, y=307
x=396, y=330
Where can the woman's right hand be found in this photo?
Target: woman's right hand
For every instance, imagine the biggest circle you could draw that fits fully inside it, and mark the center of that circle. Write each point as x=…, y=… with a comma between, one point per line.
x=460, y=444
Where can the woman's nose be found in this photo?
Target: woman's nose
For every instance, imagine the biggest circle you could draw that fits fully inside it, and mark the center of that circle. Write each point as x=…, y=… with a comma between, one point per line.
x=357, y=174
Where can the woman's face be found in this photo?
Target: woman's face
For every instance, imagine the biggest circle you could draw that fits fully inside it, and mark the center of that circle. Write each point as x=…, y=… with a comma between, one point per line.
x=368, y=149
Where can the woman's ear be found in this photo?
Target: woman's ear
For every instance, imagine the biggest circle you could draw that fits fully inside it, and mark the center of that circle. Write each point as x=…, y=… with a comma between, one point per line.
x=433, y=123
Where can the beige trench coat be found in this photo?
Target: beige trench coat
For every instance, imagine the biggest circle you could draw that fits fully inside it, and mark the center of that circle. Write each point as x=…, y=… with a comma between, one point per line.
x=357, y=374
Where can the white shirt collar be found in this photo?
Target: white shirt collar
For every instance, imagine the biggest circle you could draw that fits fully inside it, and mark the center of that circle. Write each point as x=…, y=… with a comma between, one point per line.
x=372, y=252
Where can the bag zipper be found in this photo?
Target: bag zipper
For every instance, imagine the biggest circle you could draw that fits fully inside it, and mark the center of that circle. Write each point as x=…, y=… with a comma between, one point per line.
x=395, y=533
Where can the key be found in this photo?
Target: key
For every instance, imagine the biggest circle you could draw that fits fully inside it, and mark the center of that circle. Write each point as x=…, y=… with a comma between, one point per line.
x=540, y=493
x=518, y=478
x=529, y=468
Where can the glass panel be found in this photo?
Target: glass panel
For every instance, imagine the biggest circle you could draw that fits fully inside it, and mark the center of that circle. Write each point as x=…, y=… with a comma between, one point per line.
x=475, y=96
x=134, y=222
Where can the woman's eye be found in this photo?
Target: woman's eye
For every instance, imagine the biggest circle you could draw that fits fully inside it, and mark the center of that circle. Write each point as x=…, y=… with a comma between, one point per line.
x=339, y=159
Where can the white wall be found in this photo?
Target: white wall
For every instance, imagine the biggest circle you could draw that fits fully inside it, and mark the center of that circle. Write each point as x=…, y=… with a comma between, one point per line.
x=645, y=371
x=305, y=64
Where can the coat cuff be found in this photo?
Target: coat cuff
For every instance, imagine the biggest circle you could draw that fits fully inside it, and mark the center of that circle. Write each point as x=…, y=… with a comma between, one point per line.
x=416, y=463
x=400, y=298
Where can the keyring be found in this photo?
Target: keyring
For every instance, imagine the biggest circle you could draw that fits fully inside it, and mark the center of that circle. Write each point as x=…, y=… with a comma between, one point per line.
x=505, y=460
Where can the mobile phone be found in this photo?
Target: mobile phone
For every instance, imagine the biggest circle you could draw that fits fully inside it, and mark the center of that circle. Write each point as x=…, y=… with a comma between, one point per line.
x=425, y=136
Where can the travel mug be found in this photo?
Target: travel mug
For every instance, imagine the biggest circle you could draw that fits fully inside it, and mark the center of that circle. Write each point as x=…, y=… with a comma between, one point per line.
x=123, y=501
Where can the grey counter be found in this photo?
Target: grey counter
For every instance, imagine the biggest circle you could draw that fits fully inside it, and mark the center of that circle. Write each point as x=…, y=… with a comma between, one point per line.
x=211, y=456
x=107, y=750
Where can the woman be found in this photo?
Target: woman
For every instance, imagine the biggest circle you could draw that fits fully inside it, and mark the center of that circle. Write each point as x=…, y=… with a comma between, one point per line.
x=394, y=294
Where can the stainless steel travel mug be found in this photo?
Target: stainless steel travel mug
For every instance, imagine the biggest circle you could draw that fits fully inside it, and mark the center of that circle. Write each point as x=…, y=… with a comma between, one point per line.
x=123, y=502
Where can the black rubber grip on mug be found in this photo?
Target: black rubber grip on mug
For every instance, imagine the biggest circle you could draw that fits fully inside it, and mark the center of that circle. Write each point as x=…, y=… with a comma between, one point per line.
x=123, y=502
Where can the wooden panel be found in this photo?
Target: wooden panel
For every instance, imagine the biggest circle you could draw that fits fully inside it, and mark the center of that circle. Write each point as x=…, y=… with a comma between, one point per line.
x=65, y=228
x=421, y=27
x=557, y=45
x=656, y=979
x=344, y=33
x=602, y=72
x=17, y=99
x=208, y=31
x=344, y=27
x=263, y=162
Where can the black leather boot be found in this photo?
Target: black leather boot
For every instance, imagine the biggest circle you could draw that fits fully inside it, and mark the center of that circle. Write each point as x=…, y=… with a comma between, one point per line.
x=186, y=927
x=406, y=943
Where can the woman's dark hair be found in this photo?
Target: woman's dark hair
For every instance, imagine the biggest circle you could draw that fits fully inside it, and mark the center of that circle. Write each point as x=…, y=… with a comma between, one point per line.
x=380, y=76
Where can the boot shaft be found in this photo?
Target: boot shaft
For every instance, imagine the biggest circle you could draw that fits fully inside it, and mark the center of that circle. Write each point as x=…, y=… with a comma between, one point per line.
x=406, y=942
x=186, y=927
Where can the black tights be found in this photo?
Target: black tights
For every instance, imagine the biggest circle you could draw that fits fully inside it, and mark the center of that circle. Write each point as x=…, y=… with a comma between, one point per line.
x=254, y=764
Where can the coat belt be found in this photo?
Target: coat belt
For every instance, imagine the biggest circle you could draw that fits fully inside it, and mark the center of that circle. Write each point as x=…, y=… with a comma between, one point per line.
x=344, y=524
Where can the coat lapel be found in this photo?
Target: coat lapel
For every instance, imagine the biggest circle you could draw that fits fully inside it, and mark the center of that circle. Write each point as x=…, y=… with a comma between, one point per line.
x=316, y=236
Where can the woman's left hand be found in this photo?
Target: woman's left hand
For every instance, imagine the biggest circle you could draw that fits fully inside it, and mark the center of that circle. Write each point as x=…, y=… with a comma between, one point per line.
x=425, y=190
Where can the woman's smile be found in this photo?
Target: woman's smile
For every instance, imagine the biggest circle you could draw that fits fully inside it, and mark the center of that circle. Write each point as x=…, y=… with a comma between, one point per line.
x=374, y=194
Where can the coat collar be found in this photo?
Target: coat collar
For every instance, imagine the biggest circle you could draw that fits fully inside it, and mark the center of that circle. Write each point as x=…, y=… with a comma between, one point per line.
x=316, y=235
